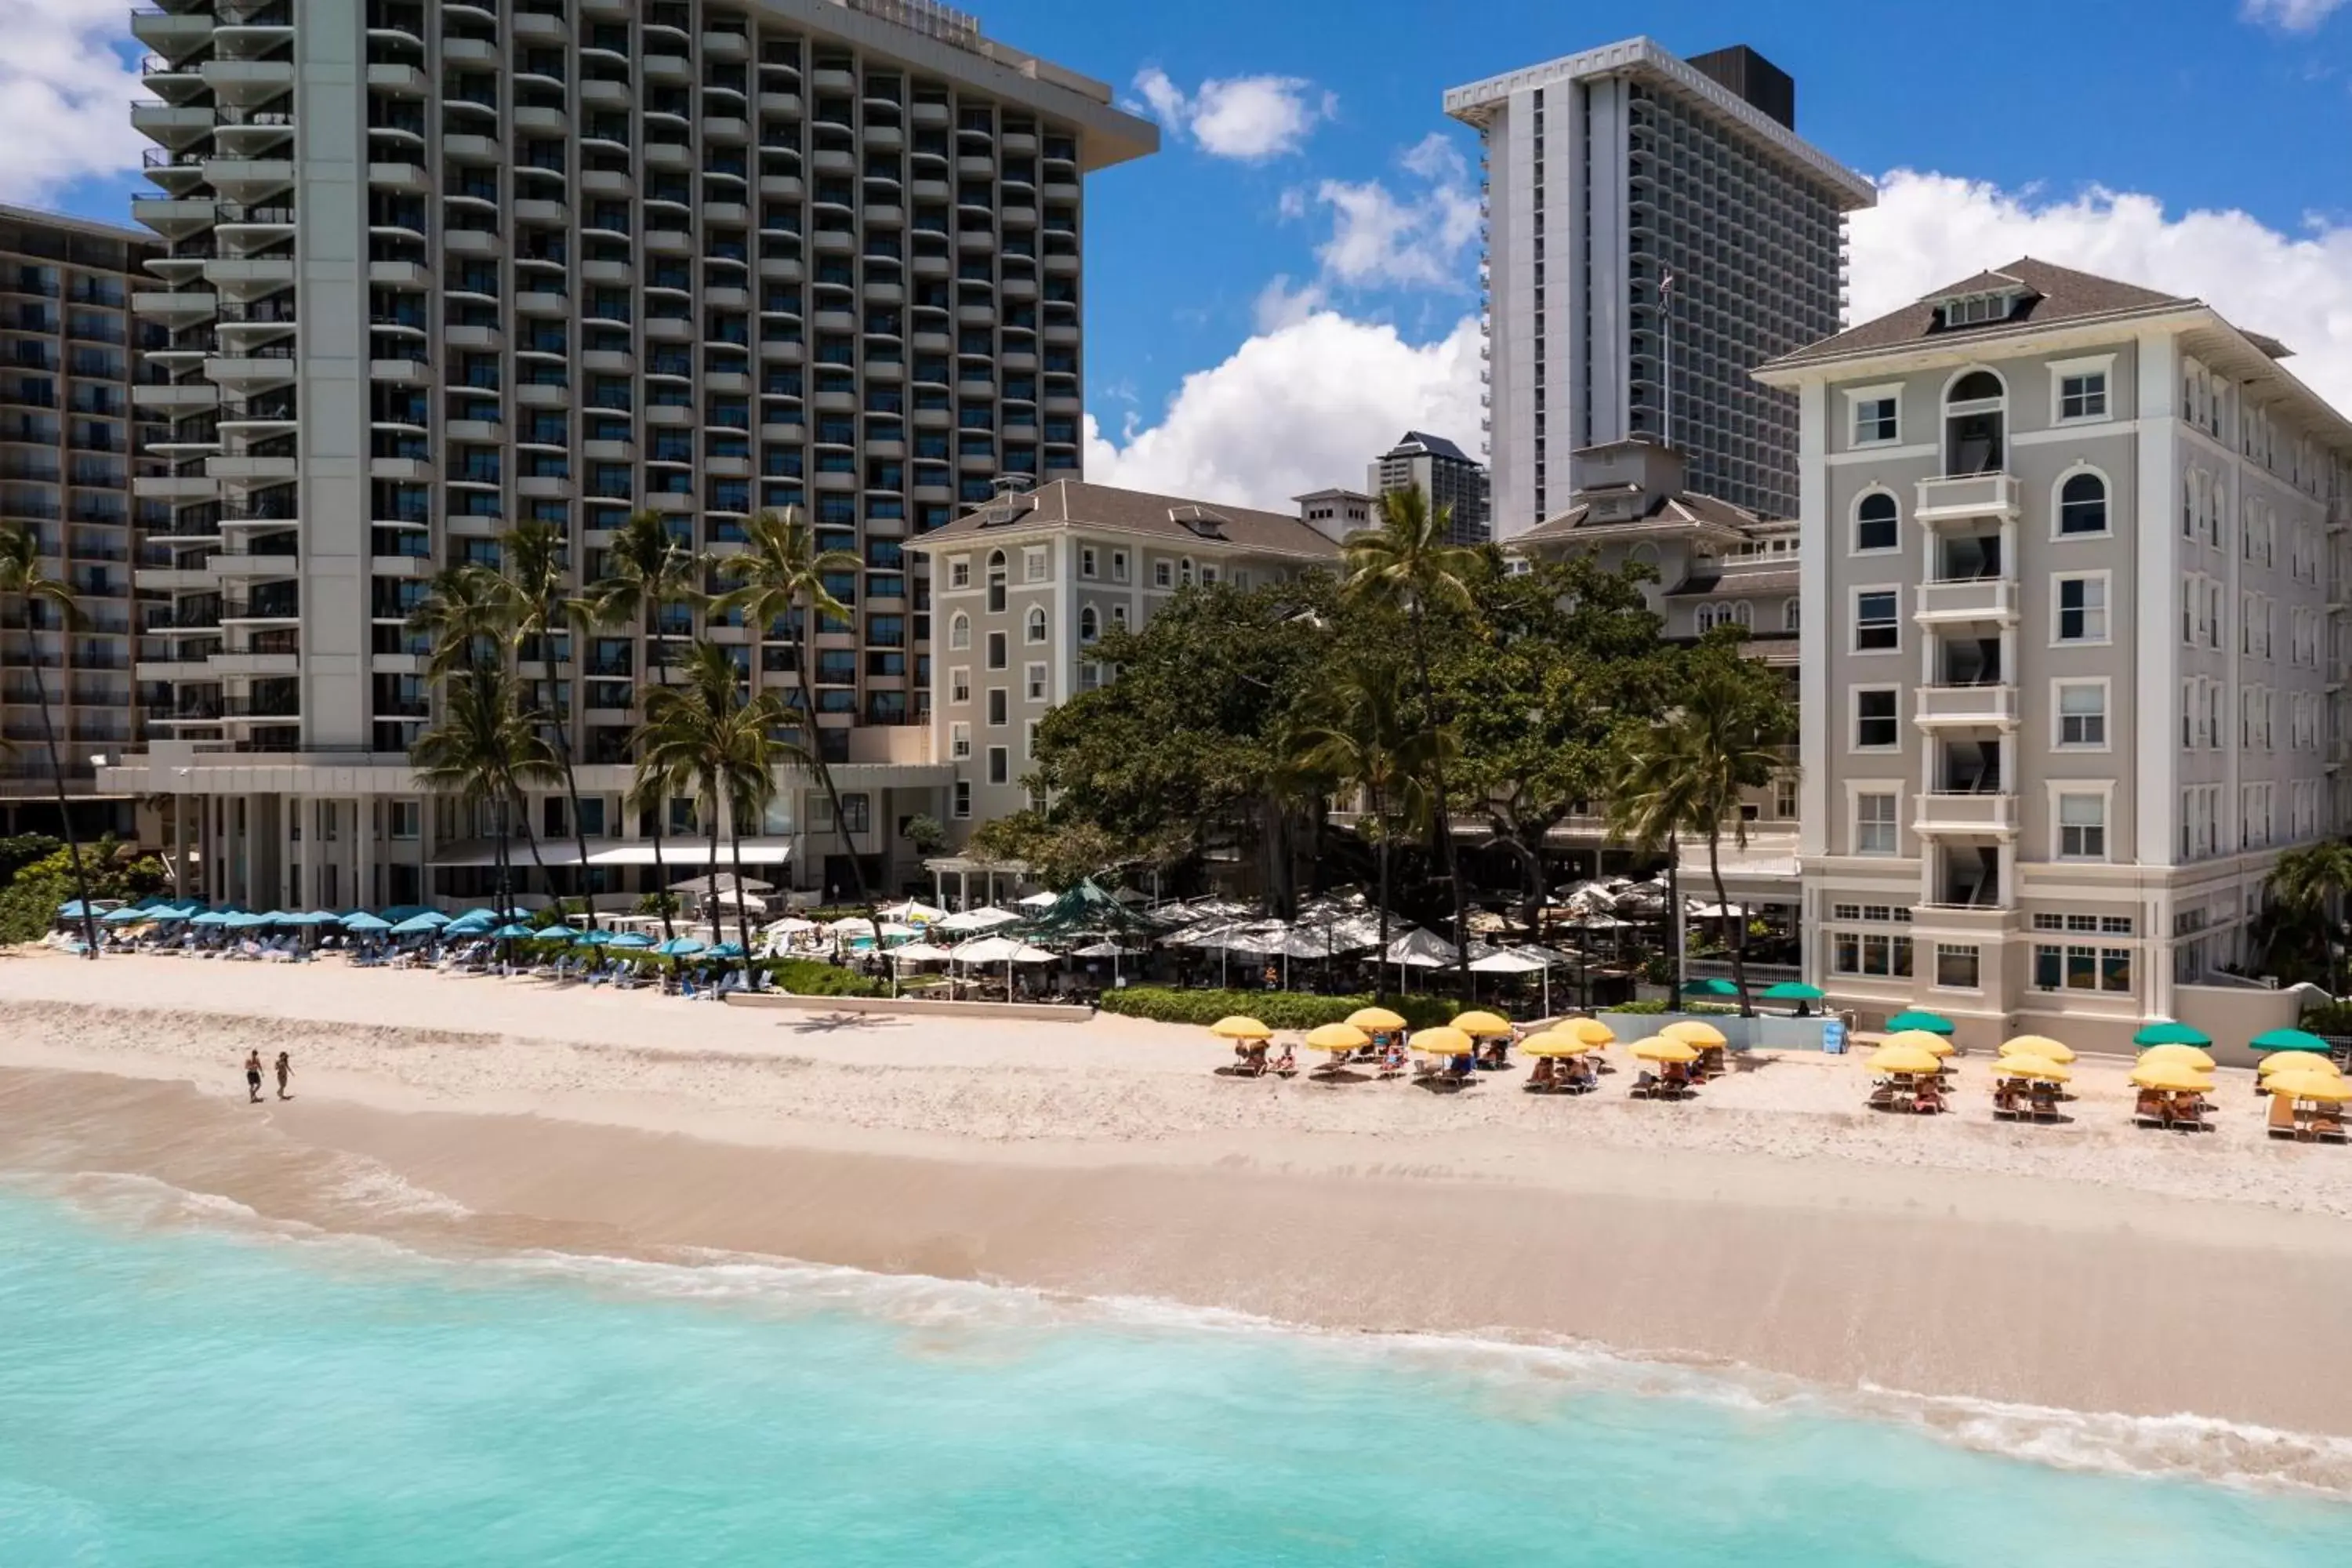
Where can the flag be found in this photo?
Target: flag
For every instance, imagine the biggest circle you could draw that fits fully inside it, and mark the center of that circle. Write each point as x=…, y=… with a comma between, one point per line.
x=1666, y=284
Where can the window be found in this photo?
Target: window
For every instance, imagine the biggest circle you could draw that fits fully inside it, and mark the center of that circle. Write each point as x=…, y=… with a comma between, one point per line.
x=1089, y=625
x=1955, y=966
x=959, y=683
x=1873, y=824
x=1033, y=564
x=997, y=580
x=1877, y=623
x=1789, y=616
x=2082, y=606
x=1877, y=523
x=959, y=741
x=407, y=819
x=1034, y=682
x=998, y=705
x=997, y=653
x=1000, y=766
x=1870, y=953
x=2083, y=968
x=1029, y=739
x=962, y=799
x=1875, y=723
x=959, y=572
x=960, y=631
x=1784, y=796
x=1118, y=565
x=1034, y=625
x=1874, y=419
x=1118, y=617
x=2083, y=395
x=2083, y=506
x=1086, y=560
x=2082, y=713
x=2082, y=827
x=1164, y=575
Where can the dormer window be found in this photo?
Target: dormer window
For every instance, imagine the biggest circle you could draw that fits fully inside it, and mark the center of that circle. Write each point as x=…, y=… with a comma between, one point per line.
x=1976, y=310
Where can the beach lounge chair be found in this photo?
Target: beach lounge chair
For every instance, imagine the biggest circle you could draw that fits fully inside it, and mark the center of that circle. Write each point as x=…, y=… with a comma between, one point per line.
x=2328, y=1124
x=2148, y=1109
x=2007, y=1102
x=2282, y=1122
x=2045, y=1101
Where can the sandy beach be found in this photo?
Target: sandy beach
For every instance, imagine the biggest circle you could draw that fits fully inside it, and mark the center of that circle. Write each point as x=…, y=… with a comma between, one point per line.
x=1773, y=1222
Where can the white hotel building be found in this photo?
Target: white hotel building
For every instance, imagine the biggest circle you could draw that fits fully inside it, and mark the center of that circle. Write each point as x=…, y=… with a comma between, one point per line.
x=2076, y=631
x=433, y=268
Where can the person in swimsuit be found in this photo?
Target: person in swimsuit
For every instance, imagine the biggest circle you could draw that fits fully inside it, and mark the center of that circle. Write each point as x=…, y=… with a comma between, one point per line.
x=252, y=1077
x=285, y=1071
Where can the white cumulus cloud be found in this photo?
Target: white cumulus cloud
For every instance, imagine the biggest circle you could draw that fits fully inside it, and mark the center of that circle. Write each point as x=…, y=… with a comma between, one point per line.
x=1296, y=408
x=1419, y=239
x=1931, y=230
x=1248, y=118
x=64, y=95
x=2290, y=16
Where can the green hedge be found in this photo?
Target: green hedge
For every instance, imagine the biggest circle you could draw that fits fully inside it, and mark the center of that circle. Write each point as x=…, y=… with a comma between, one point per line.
x=2329, y=1018
x=1277, y=1009
x=808, y=977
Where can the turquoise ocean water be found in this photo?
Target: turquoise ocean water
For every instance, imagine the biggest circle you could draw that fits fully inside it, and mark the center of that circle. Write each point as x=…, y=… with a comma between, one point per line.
x=219, y=1393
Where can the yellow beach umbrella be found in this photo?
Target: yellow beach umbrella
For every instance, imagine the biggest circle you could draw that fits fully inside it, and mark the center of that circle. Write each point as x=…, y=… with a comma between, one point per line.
x=1554, y=1042
x=1444, y=1041
x=1378, y=1018
x=2023, y=1065
x=2278, y=1062
x=2187, y=1055
x=1482, y=1023
x=1591, y=1031
x=2172, y=1078
x=1661, y=1049
x=2310, y=1086
x=2042, y=1046
x=1920, y=1039
x=1892, y=1057
x=1240, y=1028
x=1338, y=1038
x=1694, y=1032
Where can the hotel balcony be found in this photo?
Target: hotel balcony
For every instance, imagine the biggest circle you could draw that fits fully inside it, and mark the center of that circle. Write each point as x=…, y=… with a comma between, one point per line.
x=1978, y=706
x=1971, y=601
x=1977, y=814
x=1967, y=497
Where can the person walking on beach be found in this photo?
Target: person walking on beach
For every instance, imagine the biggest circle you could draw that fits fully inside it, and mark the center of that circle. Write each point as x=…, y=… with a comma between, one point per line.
x=285, y=1071
x=252, y=1077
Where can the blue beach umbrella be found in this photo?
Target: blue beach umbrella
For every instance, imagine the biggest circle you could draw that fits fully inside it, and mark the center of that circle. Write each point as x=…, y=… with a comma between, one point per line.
x=366, y=922
x=126, y=917
x=679, y=947
x=70, y=910
x=637, y=941
x=597, y=938
x=558, y=932
x=512, y=932
x=211, y=918
x=419, y=925
x=727, y=950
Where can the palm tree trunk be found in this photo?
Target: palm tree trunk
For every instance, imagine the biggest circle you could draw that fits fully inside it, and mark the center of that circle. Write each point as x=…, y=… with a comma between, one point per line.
x=1676, y=943
x=65, y=821
x=710, y=880
x=1448, y=860
x=742, y=908
x=561, y=707
x=1739, y=923
x=1381, y=853
x=661, y=804
x=822, y=769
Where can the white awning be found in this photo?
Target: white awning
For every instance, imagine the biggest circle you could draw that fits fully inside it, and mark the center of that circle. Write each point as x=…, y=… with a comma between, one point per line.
x=676, y=853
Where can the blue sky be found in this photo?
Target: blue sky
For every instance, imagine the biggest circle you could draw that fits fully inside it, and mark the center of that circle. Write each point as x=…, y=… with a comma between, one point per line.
x=1313, y=164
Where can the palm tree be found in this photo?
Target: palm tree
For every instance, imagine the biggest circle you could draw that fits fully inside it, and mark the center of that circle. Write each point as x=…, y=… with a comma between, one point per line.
x=647, y=570
x=709, y=735
x=465, y=613
x=21, y=578
x=782, y=576
x=536, y=557
x=2311, y=883
x=1727, y=737
x=1406, y=560
x=1362, y=737
x=488, y=753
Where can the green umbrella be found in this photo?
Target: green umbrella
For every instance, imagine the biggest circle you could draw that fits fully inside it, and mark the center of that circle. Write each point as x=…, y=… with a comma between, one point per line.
x=1710, y=988
x=1792, y=990
x=2165, y=1032
x=1934, y=1023
x=2288, y=1040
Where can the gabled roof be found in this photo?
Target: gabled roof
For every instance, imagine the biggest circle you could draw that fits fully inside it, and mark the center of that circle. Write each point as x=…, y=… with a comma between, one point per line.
x=2050, y=295
x=1664, y=515
x=1176, y=519
x=1435, y=446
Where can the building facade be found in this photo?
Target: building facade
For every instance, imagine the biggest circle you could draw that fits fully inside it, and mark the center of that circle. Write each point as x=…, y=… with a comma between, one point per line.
x=1451, y=480
x=1607, y=174
x=70, y=433
x=2076, y=638
x=1024, y=587
x=436, y=269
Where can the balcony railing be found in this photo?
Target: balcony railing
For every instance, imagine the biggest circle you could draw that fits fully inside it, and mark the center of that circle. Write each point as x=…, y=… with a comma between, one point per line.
x=1967, y=496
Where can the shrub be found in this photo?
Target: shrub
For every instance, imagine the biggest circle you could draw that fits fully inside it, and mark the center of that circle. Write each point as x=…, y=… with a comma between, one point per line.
x=1642, y=1007
x=1277, y=1009
x=807, y=977
x=2329, y=1018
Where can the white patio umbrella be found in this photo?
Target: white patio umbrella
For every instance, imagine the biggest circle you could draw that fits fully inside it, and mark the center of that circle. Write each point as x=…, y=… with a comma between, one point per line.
x=1419, y=948
x=916, y=953
x=1521, y=962
x=914, y=911
x=1106, y=949
x=987, y=918
x=1000, y=950
x=1039, y=900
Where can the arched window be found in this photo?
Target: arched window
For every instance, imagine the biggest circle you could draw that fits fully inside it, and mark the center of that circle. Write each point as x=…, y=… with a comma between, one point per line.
x=2083, y=505
x=960, y=631
x=996, y=583
x=1185, y=572
x=1704, y=619
x=1789, y=616
x=1089, y=625
x=1743, y=614
x=1878, y=522
x=1033, y=628
x=1975, y=425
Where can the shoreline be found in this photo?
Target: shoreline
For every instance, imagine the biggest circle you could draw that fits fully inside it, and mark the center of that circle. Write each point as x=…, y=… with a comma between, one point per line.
x=1504, y=1220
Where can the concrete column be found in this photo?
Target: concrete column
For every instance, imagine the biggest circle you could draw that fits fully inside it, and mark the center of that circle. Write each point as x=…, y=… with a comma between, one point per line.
x=365, y=893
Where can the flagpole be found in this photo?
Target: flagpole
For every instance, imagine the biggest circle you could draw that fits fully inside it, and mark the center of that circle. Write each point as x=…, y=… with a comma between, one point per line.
x=1666, y=327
